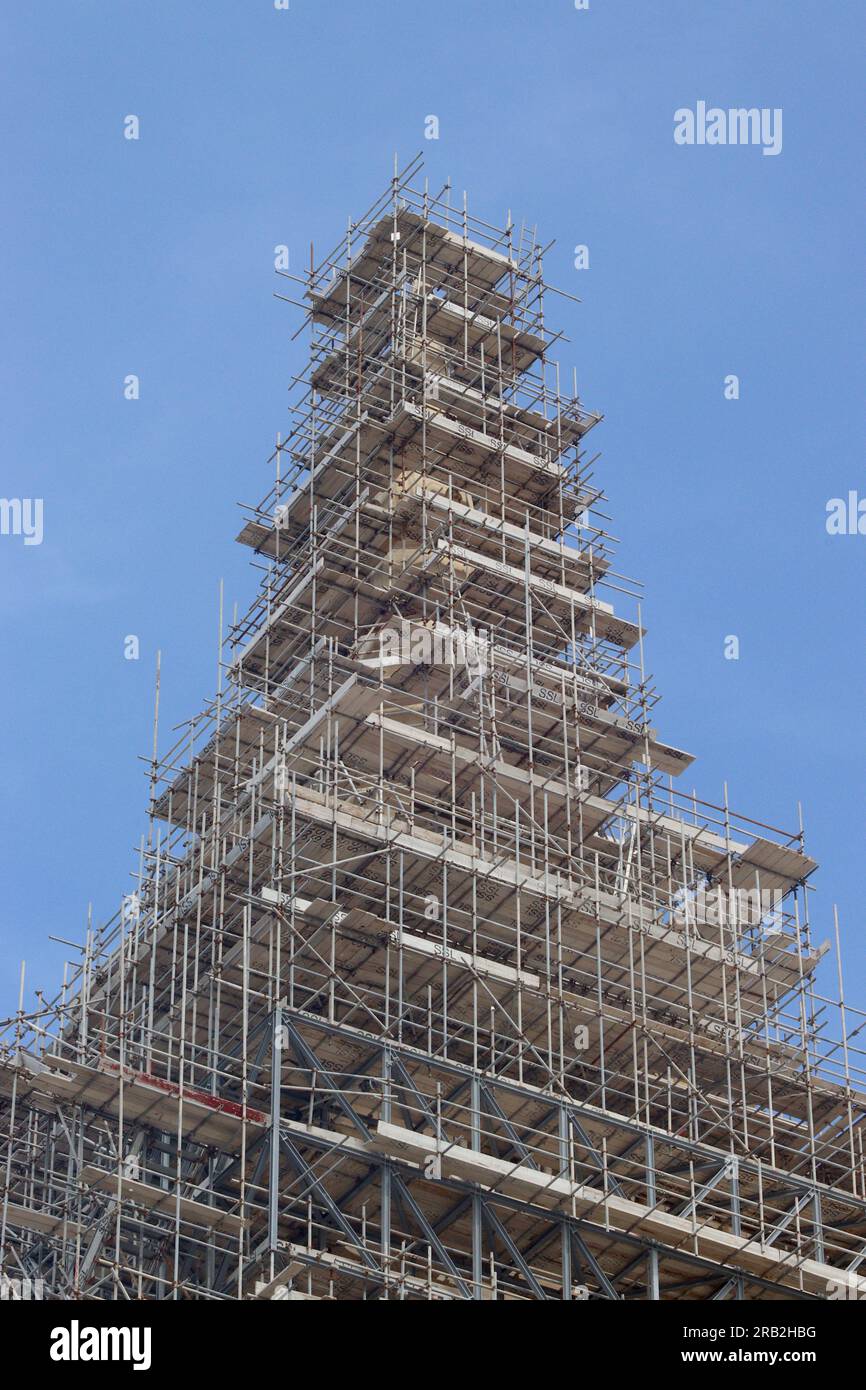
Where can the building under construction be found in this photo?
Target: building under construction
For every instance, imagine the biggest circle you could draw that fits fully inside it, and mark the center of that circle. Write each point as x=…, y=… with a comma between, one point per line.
x=436, y=984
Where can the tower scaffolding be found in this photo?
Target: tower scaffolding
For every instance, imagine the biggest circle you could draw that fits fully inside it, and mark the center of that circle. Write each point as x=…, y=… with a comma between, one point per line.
x=435, y=984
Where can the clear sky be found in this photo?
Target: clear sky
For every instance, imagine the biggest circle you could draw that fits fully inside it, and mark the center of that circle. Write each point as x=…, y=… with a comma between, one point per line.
x=260, y=127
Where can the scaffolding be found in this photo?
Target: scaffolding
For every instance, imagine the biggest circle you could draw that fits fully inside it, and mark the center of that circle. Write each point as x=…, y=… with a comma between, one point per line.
x=434, y=984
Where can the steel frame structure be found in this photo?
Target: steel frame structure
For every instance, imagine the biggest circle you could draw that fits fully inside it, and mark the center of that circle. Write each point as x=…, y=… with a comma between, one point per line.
x=434, y=985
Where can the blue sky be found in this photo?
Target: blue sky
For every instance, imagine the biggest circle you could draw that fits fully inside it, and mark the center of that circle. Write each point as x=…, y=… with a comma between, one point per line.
x=261, y=127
